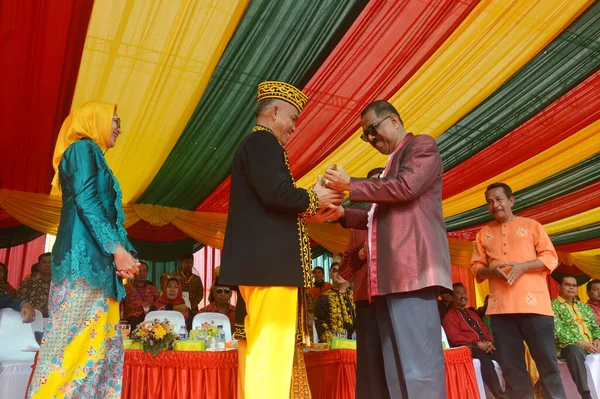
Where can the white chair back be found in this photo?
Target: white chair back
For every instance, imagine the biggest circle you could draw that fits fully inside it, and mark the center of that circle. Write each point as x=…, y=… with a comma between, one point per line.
x=175, y=318
x=216, y=319
x=15, y=365
x=592, y=365
x=38, y=324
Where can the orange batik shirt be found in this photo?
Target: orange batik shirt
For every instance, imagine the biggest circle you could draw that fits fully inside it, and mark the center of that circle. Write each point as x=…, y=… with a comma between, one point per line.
x=520, y=240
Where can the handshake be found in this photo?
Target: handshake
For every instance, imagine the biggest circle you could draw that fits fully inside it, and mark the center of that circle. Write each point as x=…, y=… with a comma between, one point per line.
x=330, y=190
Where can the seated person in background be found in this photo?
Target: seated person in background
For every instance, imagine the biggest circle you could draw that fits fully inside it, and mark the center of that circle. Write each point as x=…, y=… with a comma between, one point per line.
x=140, y=296
x=334, y=311
x=4, y=284
x=35, y=272
x=37, y=290
x=320, y=284
x=218, y=299
x=576, y=332
x=464, y=327
x=191, y=283
x=312, y=294
x=26, y=309
x=172, y=299
x=593, y=291
x=444, y=302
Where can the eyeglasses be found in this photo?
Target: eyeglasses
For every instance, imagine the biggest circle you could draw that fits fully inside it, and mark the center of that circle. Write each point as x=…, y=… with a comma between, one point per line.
x=118, y=120
x=372, y=130
x=222, y=290
x=569, y=285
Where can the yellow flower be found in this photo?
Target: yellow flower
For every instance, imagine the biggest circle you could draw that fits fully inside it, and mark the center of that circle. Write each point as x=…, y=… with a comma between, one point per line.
x=159, y=331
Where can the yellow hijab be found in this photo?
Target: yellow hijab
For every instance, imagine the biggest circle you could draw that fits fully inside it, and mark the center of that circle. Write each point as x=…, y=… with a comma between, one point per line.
x=92, y=120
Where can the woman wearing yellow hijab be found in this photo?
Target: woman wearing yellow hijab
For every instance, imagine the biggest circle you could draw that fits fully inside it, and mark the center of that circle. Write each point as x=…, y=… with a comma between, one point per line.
x=82, y=351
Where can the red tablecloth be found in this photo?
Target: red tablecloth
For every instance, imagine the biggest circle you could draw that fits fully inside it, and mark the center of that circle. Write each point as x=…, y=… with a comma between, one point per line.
x=180, y=375
x=331, y=374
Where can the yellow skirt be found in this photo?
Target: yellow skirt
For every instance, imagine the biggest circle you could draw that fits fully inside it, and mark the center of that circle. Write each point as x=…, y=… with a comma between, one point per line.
x=82, y=351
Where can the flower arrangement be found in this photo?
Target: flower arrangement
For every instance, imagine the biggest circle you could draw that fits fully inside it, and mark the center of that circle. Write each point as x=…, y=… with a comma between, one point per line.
x=155, y=336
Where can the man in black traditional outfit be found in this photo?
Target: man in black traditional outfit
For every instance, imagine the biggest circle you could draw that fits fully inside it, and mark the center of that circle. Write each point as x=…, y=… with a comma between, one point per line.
x=267, y=250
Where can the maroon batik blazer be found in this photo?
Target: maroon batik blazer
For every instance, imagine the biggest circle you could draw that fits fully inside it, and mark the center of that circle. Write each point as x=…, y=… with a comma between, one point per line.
x=409, y=250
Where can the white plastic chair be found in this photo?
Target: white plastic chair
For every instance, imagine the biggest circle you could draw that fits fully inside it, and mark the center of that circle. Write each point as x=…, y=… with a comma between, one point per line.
x=175, y=318
x=592, y=364
x=216, y=319
x=15, y=365
x=483, y=389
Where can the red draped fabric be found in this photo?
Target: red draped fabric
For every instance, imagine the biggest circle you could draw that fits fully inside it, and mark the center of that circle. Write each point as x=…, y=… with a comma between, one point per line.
x=143, y=230
x=176, y=374
x=461, y=382
x=552, y=287
x=579, y=246
x=42, y=45
x=331, y=374
x=19, y=259
x=6, y=220
x=564, y=117
x=373, y=60
x=570, y=204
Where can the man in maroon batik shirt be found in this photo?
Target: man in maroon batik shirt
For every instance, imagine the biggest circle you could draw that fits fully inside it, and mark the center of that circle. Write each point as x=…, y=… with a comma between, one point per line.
x=408, y=260
x=464, y=327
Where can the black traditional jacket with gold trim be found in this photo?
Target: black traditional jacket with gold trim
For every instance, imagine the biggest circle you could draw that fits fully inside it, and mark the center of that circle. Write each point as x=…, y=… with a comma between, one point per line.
x=266, y=240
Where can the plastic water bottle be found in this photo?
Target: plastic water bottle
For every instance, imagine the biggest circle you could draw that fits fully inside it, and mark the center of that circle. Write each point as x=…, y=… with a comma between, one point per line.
x=220, y=338
x=354, y=336
x=183, y=334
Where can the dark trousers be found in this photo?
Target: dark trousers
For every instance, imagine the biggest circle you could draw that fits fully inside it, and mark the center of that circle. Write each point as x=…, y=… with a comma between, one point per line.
x=575, y=356
x=488, y=371
x=399, y=347
x=510, y=330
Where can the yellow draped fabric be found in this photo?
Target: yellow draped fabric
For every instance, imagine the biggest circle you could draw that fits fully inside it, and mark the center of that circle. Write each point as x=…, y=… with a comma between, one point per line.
x=573, y=222
x=154, y=59
x=491, y=44
x=588, y=264
x=42, y=213
x=330, y=236
x=205, y=227
x=568, y=152
x=38, y=211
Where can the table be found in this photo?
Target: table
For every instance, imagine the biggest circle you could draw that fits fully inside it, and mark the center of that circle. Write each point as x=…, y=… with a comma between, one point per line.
x=331, y=374
x=179, y=374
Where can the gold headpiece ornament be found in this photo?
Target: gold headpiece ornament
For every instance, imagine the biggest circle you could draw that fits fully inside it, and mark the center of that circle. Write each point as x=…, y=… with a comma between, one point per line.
x=283, y=91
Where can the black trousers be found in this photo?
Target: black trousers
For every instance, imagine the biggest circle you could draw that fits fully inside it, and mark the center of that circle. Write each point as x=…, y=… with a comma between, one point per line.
x=575, y=356
x=399, y=347
x=488, y=370
x=510, y=330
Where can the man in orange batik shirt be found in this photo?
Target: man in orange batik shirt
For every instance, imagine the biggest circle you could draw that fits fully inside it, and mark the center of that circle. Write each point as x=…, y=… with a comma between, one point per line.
x=516, y=255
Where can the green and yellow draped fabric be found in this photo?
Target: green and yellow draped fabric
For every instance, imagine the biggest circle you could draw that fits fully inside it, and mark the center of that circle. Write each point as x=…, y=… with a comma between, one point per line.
x=509, y=89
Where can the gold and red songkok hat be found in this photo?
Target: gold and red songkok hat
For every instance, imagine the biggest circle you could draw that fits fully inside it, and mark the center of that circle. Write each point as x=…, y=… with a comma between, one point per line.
x=283, y=91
